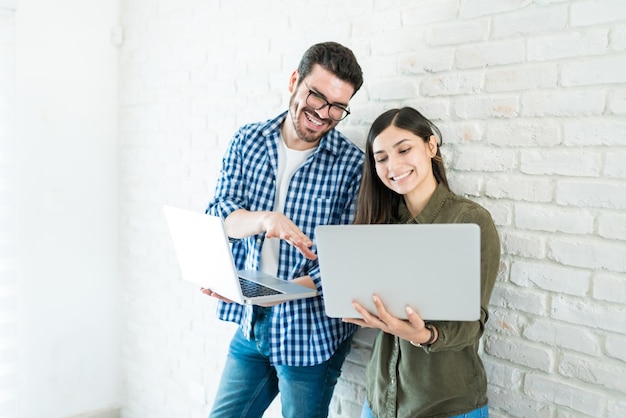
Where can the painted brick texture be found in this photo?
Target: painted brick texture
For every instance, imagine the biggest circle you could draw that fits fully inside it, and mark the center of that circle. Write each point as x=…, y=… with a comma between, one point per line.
x=531, y=100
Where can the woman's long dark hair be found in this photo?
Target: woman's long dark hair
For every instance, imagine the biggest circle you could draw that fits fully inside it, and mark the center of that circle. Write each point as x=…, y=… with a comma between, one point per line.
x=376, y=203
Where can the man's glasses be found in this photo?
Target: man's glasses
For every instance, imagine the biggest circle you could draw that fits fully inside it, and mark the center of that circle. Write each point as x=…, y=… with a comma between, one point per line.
x=318, y=102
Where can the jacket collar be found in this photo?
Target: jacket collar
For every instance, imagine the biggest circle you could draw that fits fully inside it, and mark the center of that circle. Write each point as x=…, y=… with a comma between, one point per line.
x=430, y=212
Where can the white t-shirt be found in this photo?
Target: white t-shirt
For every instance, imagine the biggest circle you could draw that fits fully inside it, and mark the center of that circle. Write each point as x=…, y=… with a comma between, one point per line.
x=289, y=160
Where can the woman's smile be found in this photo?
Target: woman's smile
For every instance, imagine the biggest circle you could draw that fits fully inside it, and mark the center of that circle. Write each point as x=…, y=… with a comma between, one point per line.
x=401, y=176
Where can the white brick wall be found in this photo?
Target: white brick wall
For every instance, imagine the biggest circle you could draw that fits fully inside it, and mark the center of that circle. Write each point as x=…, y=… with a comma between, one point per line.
x=531, y=99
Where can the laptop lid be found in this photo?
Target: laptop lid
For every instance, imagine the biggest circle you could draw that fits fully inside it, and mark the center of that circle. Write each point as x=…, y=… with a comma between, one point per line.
x=205, y=258
x=434, y=268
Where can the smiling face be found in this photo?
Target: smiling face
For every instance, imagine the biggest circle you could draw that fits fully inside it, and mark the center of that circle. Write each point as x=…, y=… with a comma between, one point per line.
x=403, y=164
x=308, y=125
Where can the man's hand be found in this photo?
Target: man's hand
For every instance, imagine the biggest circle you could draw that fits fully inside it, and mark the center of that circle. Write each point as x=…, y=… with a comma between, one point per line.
x=215, y=295
x=279, y=226
x=243, y=223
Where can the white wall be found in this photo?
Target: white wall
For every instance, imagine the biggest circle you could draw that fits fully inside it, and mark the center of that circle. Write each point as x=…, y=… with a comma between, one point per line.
x=9, y=343
x=67, y=158
x=531, y=98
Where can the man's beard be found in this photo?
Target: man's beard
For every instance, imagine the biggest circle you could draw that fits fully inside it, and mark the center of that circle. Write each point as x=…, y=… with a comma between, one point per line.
x=303, y=133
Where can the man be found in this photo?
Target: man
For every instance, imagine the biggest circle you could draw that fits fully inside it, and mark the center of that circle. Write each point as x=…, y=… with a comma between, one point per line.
x=279, y=180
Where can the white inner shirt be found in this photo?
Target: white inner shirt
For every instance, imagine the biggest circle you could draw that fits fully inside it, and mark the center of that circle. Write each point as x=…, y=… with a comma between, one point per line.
x=289, y=160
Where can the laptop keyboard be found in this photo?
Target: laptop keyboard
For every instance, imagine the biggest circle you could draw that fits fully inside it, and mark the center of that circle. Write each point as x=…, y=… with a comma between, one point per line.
x=251, y=289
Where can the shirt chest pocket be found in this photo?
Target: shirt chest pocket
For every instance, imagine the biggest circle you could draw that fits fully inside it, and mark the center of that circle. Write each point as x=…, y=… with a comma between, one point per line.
x=316, y=196
x=323, y=209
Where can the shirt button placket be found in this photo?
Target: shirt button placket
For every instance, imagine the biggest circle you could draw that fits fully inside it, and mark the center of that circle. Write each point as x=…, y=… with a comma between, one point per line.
x=392, y=390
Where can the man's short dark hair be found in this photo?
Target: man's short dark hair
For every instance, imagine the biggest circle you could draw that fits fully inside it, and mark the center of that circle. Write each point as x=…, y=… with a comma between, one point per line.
x=335, y=58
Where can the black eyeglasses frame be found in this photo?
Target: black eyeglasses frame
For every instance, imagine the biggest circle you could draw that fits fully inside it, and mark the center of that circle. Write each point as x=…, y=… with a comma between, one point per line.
x=323, y=99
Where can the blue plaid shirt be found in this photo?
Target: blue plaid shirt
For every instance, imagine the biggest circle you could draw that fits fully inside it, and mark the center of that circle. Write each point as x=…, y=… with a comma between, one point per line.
x=322, y=191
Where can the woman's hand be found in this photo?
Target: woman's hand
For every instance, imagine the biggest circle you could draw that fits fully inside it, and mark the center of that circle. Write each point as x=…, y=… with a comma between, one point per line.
x=413, y=329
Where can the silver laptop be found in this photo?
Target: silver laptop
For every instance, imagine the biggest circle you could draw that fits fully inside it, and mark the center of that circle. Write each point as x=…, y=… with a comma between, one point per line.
x=433, y=268
x=205, y=258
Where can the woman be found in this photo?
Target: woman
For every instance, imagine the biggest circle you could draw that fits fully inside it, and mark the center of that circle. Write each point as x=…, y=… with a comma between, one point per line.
x=417, y=368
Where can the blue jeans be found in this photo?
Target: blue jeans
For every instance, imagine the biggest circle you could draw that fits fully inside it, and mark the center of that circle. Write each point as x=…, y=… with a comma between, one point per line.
x=250, y=383
x=476, y=413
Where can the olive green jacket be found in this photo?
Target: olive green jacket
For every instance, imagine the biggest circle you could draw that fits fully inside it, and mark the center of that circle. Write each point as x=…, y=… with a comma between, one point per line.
x=448, y=377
